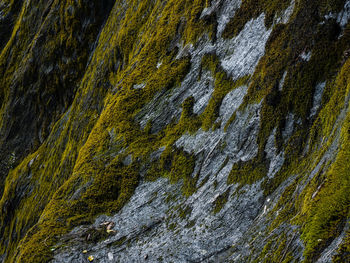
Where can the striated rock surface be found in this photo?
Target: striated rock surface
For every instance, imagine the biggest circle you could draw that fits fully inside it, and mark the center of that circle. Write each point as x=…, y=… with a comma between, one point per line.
x=174, y=131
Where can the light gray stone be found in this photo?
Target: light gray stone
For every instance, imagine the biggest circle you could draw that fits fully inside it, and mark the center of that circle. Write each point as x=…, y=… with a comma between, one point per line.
x=317, y=98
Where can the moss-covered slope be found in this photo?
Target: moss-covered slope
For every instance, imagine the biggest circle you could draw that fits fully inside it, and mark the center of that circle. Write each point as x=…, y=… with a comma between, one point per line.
x=239, y=108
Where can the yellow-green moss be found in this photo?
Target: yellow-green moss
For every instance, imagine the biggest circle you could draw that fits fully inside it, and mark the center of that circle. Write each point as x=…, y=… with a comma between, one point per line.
x=326, y=209
x=79, y=172
x=283, y=49
x=343, y=253
x=220, y=201
x=275, y=251
x=100, y=182
x=223, y=84
x=247, y=172
x=323, y=207
x=252, y=9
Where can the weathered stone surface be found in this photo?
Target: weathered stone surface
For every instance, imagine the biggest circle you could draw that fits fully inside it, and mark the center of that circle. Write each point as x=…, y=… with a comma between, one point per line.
x=224, y=219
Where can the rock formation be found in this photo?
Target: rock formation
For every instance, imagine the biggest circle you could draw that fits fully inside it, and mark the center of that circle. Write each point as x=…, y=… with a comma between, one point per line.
x=174, y=131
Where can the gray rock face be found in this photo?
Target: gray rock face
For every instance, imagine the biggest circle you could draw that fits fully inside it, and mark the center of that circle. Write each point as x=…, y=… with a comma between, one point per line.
x=152, y=227
x=238, y=142
x=284, y=18
x=276, y=159
x=289, y=127
x=244, y=51
x=202, y=92
x=256, y=237
x=280, y=88
x=239, y=57
x=231, y=103
x=330, y=251
x=306, y=56
x=342, y=17
x=317, y=98
x=158, y=224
